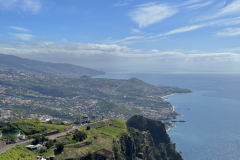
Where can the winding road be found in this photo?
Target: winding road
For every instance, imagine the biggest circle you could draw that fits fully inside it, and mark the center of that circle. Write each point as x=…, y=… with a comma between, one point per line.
x=7, y=147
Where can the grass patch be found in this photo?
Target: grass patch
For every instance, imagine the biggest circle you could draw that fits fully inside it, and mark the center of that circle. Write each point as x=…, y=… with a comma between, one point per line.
x=68, y=153
x=104, y=143
x=119, y=123
x=94, y=126
x=109, y=132
x=95, y=147
x=50, y=152
x=18, y=153
x=30, y=127
x=114, y=131
x=70, y=138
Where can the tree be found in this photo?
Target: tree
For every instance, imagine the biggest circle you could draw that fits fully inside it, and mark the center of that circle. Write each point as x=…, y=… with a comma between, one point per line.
x=36, y=140
x=44, y=138
x=88, y=127
x=79, y=136
x=54, y=141
x=12, y=137
x=49, y=144
x=60, y=147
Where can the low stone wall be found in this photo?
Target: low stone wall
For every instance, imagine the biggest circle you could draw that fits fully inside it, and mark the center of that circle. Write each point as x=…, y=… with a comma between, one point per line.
x=50, y=133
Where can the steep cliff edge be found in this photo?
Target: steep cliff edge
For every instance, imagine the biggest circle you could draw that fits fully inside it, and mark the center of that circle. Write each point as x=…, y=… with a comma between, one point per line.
x=146, y=139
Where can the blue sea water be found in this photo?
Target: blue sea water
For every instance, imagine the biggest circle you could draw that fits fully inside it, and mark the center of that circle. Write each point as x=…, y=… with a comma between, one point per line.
x=212, y=112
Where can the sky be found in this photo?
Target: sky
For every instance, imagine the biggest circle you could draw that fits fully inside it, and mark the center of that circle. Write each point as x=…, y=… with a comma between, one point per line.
x=126, y=36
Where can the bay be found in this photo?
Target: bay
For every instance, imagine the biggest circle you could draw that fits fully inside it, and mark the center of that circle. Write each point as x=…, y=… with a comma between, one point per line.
x=212, y=112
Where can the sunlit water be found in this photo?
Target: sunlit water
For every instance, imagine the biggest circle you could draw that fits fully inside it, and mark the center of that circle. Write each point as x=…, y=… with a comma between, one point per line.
x=212, y=112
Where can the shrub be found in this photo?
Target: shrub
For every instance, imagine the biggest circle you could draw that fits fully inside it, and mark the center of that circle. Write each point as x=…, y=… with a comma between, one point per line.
x=49, y=144
x=79, y=136
x=60, y=147
x=36, y=140
x=88, y=127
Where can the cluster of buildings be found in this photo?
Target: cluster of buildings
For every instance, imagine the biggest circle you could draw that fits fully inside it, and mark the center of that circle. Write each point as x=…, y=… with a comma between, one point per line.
x=45, y=118
x=5, y=113
x=81, y=118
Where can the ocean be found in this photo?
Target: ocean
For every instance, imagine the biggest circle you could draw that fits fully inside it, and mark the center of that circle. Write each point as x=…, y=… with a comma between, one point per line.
x=211, y=112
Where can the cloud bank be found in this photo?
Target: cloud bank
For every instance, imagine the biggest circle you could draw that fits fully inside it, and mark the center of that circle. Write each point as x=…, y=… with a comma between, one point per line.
x=115, y=58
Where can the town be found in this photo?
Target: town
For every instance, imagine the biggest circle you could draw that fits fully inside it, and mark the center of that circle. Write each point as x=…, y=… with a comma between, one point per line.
x=19, y=100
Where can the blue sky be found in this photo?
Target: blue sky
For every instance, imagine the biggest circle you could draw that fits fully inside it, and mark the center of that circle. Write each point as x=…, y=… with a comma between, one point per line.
x=166, y=36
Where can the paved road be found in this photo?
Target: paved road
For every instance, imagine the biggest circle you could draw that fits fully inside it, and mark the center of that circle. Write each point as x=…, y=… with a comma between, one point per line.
x=13, y=145
x=3, y=150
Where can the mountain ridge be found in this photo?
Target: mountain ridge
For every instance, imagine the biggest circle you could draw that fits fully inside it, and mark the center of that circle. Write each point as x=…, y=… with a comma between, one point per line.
x=35, y=66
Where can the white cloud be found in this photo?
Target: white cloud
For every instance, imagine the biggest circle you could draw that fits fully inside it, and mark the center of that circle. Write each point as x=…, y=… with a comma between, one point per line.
x=121, y=3
x=128, y=39
x=134, y=31
x=155, y=50
x=151, y=13
x=229, y=32
x=221, y=4
x=19, y=29
x=25, y=5
x=231, y=9
x=121, y=58
x=190, y=2
x=24, y=37
x=196, y=6
x=184, y=29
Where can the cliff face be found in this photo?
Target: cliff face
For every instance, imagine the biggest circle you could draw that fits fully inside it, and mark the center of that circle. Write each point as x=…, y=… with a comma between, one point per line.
x=146, y=139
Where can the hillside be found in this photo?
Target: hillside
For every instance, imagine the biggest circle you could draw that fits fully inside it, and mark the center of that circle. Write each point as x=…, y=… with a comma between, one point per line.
x=33, y=66
x=33, y=95
x=112, y=138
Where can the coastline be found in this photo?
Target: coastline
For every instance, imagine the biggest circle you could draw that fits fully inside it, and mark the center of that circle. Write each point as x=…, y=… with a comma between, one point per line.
x=169, y=95
x=168, y=127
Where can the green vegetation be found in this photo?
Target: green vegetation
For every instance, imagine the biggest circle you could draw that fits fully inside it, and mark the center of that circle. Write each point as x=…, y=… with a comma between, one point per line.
x=60, y=147
x=89, y=156
x=79, y=136
x=151, y=140
x=18, y=153
x=113, y=97
x=49, y=144
x=118, y=108
x=114, y=131
x=31, y=127
x=95, y=125
x=141, y=138
x=156, y=128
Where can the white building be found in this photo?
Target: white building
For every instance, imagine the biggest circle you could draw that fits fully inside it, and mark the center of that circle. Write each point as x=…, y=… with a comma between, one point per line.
x=81, y=119
x=22, y=137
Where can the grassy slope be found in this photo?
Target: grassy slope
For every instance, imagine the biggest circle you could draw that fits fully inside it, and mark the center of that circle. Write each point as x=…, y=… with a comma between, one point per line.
x=29, y=127
x=18, y=153
x=101, y=138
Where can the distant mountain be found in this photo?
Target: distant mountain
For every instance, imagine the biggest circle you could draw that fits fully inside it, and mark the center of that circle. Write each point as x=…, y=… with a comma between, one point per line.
x=33, y=66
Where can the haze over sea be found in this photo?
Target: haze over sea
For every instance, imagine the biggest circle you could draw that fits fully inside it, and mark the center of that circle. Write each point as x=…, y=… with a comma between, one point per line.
x=212, y=112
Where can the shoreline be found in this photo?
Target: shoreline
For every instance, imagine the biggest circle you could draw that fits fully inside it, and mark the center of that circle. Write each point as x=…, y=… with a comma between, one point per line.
x=173, y=109
x=169, y=95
